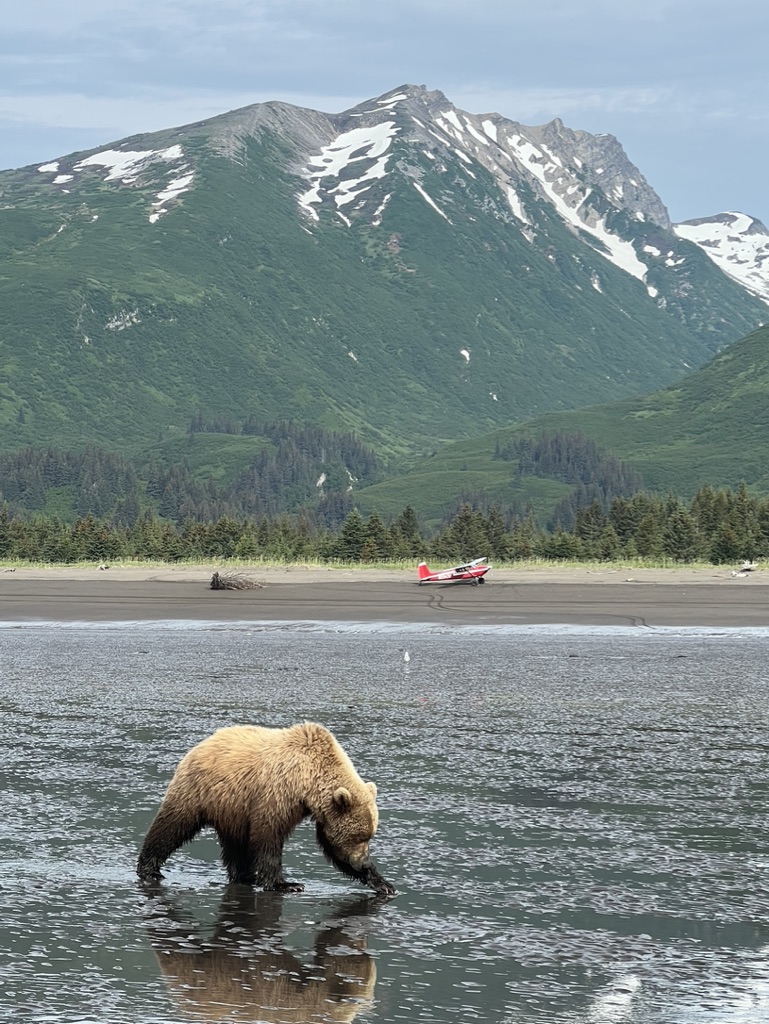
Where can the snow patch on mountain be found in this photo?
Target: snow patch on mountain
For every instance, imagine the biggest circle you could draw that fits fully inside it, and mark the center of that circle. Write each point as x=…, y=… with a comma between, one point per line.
x=429, y=200
x=491, y=130
x=476, y=134
x=549, y=172
x=125, y=165
x=380, y=210
x=451, y=115
x=516, y=205
x=388, y=101
x=737, y=244
x=172, y=191
x=353, y=147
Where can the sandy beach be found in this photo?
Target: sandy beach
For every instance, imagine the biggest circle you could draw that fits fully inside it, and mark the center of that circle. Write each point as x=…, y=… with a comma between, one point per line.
x=710, y=596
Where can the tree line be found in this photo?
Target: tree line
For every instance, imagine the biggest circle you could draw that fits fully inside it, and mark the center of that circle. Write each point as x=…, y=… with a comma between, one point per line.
x=717, y=525
x=296, y=468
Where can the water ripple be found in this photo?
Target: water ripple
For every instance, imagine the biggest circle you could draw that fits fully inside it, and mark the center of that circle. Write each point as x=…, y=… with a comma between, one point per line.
x=576, y=822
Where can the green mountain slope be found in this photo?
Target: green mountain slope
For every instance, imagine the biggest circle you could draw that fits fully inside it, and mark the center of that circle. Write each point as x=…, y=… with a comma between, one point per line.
x=709, y=428
x=178, y=273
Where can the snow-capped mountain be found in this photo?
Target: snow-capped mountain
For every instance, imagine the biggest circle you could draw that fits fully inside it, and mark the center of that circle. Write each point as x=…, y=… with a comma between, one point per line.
x=736, y=243
x=585, y=178
x=403, y=269
x=348, y=160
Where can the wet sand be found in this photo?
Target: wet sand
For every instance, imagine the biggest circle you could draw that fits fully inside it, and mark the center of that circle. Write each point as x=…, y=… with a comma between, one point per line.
x=624, y=597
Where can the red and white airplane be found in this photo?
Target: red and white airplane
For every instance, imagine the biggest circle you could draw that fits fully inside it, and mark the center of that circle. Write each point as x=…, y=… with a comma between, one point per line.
x=471, y=572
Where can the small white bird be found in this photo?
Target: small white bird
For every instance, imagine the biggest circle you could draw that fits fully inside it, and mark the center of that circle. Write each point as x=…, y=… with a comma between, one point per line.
x=407, y=656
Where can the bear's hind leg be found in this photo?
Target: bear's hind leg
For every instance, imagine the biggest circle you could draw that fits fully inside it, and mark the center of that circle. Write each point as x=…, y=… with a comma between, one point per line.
x=170, y=830
x=237, y=859
x=268, y=861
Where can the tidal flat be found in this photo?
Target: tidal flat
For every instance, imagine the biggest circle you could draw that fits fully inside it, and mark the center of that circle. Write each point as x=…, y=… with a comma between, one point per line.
x=575, y=819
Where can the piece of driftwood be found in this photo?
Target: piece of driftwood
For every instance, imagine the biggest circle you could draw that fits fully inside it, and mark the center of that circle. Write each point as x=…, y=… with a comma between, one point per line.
x=234, y=581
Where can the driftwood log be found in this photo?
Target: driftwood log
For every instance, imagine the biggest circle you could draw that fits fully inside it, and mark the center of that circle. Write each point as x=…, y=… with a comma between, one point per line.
x=234, y=581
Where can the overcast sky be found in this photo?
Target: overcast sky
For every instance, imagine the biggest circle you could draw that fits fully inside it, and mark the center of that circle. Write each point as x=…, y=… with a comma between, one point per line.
x=683, y=84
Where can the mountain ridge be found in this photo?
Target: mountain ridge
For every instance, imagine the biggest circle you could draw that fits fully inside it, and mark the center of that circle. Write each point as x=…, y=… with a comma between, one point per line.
x=403, y=269
x=601, y=156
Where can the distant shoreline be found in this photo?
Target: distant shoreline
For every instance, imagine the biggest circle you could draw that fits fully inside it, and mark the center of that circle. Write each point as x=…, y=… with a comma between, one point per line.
x=526, y=573
x=709, y=596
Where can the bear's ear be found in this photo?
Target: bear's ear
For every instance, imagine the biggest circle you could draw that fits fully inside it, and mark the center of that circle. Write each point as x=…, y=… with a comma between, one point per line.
x=372, y=787
x=343, y=798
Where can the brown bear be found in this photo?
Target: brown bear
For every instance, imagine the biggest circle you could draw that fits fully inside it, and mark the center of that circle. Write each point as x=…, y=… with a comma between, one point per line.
x=253, y=786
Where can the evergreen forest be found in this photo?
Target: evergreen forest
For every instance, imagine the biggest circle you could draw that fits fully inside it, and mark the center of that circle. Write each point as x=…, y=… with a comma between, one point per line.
x=296, y=501
x=717, y=526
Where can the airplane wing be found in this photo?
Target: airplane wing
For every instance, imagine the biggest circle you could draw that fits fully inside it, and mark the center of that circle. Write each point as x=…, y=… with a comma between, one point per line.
x=469, y=565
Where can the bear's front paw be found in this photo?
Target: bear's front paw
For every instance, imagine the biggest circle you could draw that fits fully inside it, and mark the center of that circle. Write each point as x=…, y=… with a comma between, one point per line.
x=385, y=889
x=287, y=887
x=149, y=875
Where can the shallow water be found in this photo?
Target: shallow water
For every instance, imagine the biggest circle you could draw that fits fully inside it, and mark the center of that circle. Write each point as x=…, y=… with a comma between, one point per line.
x=576, y=821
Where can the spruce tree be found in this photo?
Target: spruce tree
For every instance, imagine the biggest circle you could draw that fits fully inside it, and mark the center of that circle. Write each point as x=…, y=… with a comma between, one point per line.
x=351, y=537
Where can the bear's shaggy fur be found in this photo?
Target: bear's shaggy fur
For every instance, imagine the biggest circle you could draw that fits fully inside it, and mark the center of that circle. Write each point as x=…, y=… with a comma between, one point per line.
x=253, y=786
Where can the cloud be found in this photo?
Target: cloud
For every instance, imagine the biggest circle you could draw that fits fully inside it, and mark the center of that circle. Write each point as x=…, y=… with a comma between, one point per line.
x=528, y=104
x=127, y=115
x=659, y=73
x=343, y=47
x=533, y=105
x=152, y=109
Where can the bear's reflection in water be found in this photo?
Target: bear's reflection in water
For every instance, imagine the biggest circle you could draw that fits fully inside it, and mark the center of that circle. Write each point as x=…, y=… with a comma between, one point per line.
x=243, y=971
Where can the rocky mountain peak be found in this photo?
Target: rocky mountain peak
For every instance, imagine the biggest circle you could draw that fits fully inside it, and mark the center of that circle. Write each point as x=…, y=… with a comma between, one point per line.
x=348, y=167
x=736, y=243
x=603, y=163
x=419, y=135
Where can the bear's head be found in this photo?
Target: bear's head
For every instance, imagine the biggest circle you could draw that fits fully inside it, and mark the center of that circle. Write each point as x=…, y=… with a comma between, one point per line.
x=345, y=830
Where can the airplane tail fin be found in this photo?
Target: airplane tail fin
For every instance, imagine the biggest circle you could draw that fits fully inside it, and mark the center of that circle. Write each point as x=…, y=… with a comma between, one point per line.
x=423, y=570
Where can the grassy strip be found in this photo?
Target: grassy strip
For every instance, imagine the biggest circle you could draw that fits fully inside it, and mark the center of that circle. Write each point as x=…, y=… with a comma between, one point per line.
x=394, y=566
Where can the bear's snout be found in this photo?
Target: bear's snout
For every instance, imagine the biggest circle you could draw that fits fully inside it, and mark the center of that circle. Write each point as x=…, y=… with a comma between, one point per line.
x=359, y=856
